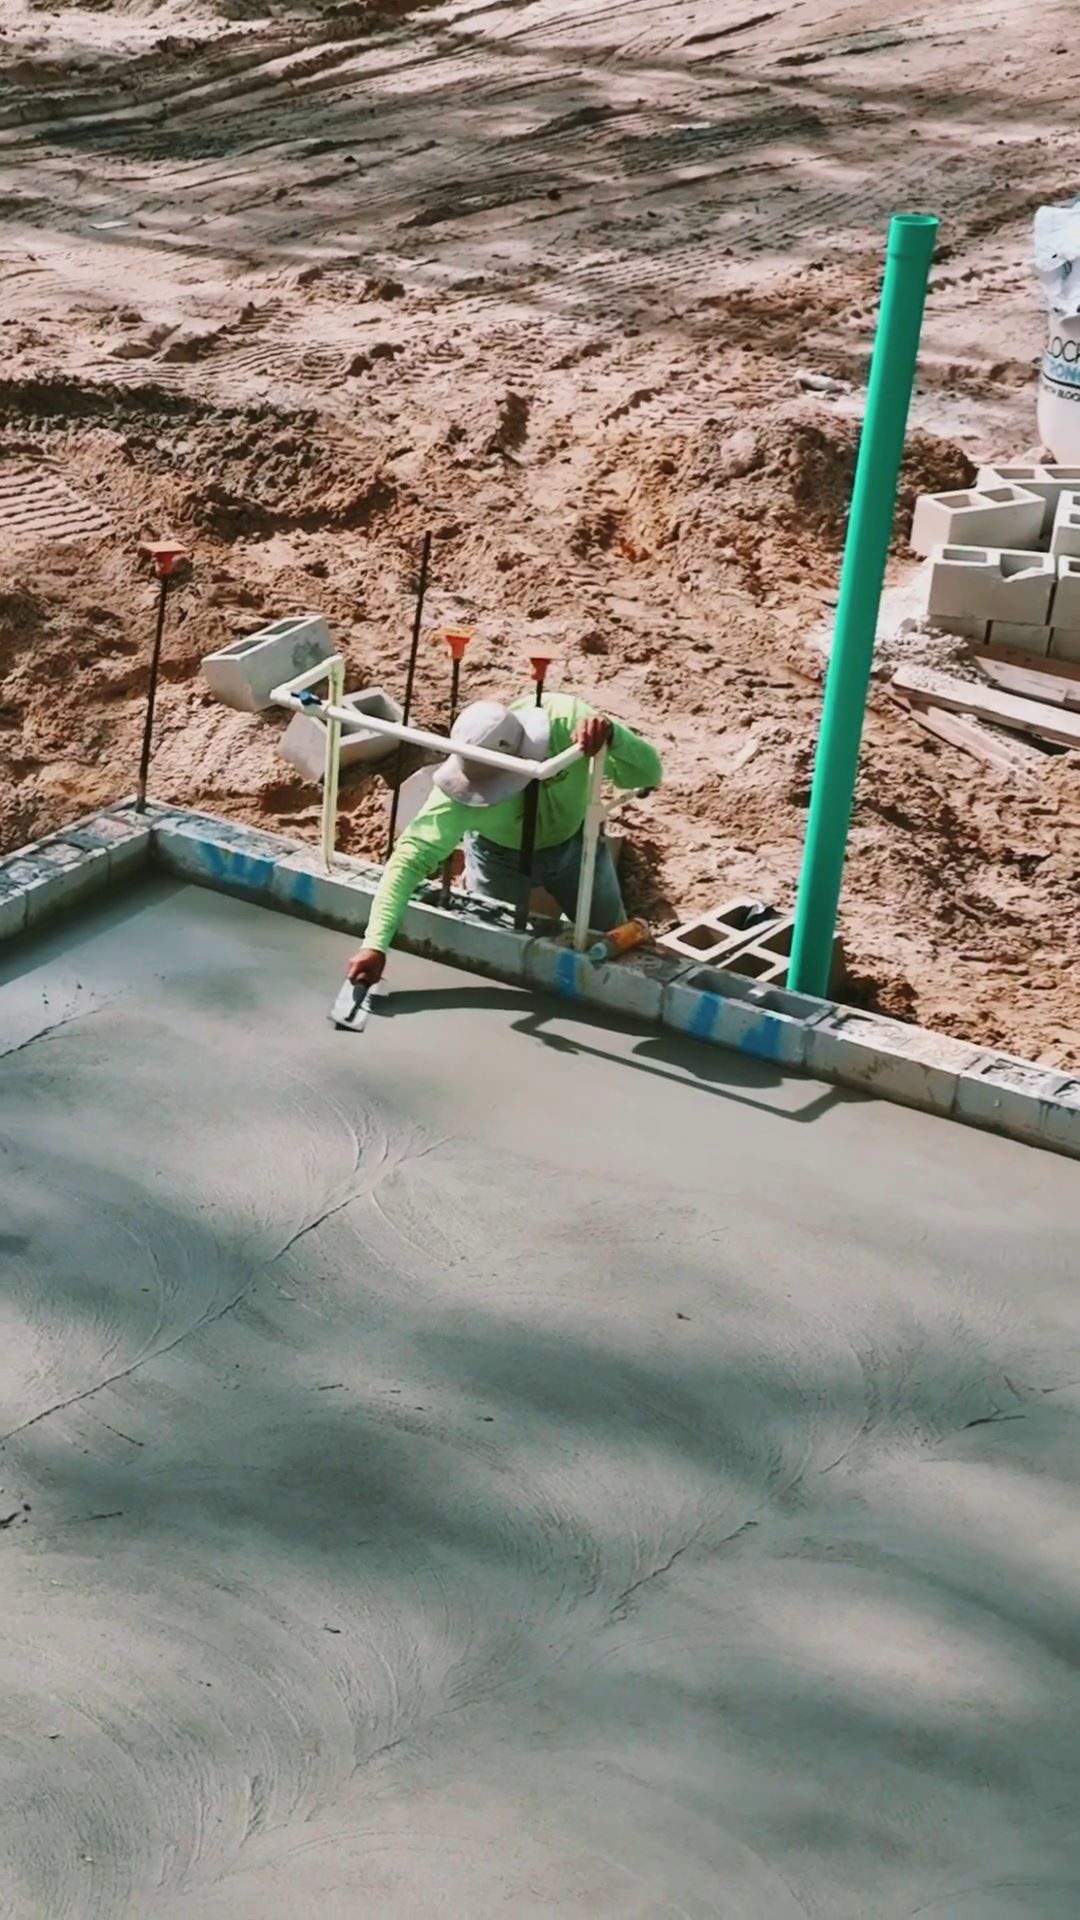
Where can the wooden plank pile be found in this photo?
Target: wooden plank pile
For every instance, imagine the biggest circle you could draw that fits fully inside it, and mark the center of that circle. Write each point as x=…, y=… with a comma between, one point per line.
x=1013, y=695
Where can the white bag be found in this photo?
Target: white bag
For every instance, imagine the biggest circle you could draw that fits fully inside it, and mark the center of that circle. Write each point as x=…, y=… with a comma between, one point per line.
x=1057, y=263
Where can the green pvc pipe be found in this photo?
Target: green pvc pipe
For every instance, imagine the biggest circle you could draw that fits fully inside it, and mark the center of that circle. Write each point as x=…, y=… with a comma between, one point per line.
x=892, y=375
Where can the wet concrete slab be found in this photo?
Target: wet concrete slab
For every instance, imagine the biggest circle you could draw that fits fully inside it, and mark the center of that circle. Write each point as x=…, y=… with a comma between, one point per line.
x=508, y=1462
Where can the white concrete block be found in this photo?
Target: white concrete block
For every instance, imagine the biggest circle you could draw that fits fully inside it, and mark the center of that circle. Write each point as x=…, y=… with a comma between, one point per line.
x=466, y=940
x=991, y=583
x=1010, y=1096
x=999, y=516
x=723, y=930
x=342, y=898
x=1065, y=535
x=12, y=905
x=634, y=985
x=962, y=584
x=51, y=875
x=303, y=743
x=1065, y=605
x=1048, y=482
x=710, y=1004
x=1065, y=644
x=908, y=1064
x=412, y=795
x=125, y=840
x=1025, y=587
x=244, y=674
x=218, y=853
x=1061, y=1124
x=959, y=625
x=1012, y=633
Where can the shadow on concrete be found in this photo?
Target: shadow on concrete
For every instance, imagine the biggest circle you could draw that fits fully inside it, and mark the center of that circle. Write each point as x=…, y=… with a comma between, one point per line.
x=706, y=1069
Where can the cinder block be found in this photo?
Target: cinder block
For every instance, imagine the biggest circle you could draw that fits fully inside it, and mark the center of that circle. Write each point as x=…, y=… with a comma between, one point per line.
x=51, y=875
x=713, y=1004
x=767, y=959
x=1065, y=533
x=1049, y=483
x=997, y=516
x=1061, y=1128
x=126, y=841
x=1064, y=615
x=218, y=853
x=1013, y=633
x=465, y=940
x=1024, y=589
x=721, y=931
x=908, y=1064
x=244, y=674
x=963, y=581
x=412, y=795
x=963, y=628
x=342, y=898
x=634, y=984
x=12, y=905
x=1009, y=1096
x=990, y=583
x=757, y=963
x=303, y=743
x=1065, y=643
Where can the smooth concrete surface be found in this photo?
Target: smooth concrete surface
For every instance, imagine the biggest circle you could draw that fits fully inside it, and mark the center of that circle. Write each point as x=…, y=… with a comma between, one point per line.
x=502, y=1464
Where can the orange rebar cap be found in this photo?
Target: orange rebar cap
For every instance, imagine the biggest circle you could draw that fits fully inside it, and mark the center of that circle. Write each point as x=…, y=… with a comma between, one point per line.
x=540, y=662
x=456, y=638
x=164, y=554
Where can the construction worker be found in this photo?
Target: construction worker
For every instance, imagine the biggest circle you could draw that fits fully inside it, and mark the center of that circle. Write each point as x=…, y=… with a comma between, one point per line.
x=485, y=807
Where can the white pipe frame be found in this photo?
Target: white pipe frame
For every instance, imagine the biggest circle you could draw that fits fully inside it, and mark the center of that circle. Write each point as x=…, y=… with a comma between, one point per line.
x=332, y=670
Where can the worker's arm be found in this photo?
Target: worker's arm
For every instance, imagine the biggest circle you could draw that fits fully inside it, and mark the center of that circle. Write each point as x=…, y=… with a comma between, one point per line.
x=631, y=761
x=421, y=849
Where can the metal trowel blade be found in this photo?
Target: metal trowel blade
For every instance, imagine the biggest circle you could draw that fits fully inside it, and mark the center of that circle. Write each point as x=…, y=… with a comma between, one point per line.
x=352, y=1006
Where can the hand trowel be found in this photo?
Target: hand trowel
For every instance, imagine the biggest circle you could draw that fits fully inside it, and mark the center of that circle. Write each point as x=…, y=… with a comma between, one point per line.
x=353, y=1004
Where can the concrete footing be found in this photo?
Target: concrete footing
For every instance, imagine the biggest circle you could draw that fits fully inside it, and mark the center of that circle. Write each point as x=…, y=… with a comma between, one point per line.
x=712, y=1005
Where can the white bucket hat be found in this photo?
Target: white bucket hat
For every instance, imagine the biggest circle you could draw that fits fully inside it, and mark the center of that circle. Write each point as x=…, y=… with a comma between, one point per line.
x=486, y=723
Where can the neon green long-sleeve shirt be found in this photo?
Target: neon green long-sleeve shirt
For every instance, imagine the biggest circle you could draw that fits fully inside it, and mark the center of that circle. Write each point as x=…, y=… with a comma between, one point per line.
x=442, y=823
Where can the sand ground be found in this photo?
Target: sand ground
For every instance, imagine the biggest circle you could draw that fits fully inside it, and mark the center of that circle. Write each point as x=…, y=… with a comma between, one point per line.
x=541, y=277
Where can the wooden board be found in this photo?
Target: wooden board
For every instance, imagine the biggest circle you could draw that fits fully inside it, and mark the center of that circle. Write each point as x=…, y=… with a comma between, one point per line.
x=1031, y=682
x=1030, y=662
x=925, y=688
x=956, y=731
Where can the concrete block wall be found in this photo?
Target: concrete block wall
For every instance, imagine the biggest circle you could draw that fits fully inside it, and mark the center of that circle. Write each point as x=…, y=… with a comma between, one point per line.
x=55, y=874
x=704, y=1004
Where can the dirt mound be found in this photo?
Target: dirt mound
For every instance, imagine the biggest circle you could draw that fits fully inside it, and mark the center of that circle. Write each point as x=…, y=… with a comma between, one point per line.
x=770, y=493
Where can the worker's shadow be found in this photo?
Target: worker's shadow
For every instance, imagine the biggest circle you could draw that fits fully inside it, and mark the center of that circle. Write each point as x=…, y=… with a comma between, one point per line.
x=686, y=1063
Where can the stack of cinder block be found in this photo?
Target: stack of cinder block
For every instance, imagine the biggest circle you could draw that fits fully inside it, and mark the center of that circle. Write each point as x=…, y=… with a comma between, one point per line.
x=1005, y=559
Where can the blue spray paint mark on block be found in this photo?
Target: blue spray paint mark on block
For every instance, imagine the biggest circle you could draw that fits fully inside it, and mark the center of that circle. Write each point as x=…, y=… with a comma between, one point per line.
x=566, y=975
x=703, y=1020
x=763, y=1039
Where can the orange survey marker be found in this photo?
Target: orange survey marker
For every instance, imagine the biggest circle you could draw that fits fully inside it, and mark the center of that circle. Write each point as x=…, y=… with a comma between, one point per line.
x=457, y=639
x=164, y=555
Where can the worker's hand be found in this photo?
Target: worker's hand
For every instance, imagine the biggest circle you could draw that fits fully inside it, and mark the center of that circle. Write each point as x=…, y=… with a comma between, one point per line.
x=366, y=967
x=594, y=735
